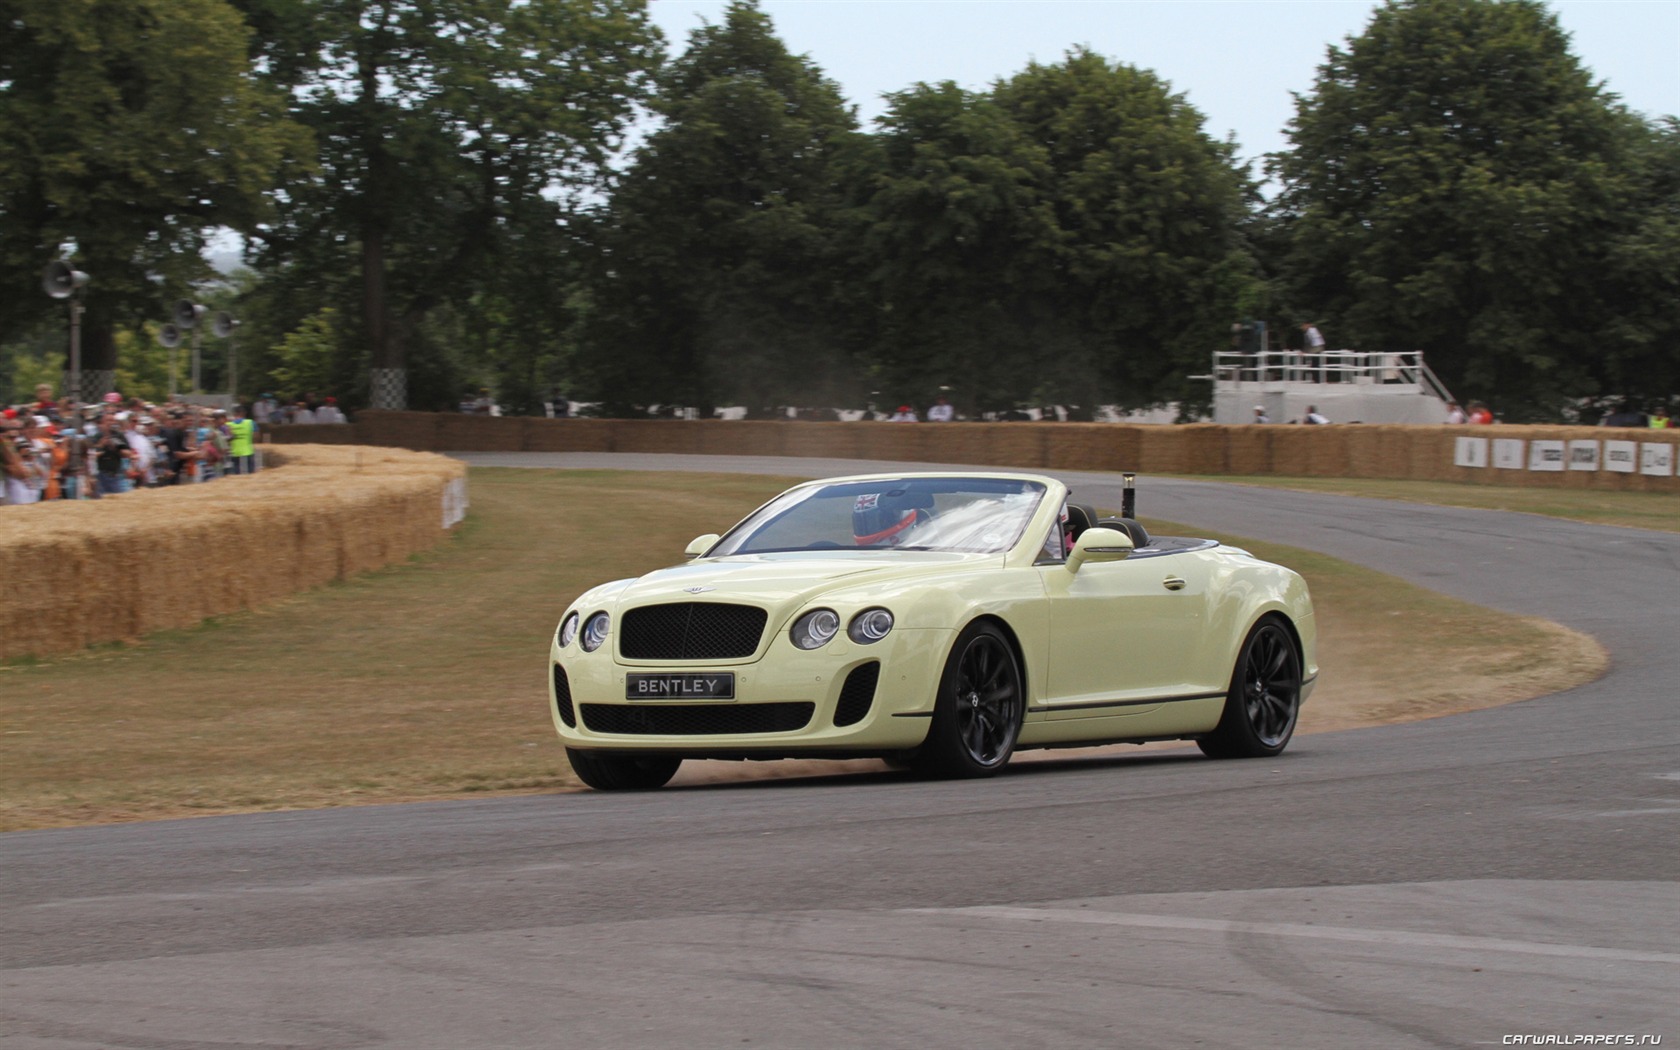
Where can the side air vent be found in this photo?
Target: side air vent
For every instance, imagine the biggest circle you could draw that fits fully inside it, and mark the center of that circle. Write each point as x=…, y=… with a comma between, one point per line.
x=563, y=697
x=857, y=694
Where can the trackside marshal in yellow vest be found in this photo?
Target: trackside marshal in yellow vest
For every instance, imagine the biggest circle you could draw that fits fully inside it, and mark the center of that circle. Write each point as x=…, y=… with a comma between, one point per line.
x=242, y=443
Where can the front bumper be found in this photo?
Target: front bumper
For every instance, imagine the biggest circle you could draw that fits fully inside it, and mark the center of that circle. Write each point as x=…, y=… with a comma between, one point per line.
x=787, y=703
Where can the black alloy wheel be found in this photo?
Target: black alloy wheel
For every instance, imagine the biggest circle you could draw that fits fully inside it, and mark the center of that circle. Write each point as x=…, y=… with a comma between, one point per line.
x=977, y=715
x=1264, y=701
x=606, y=772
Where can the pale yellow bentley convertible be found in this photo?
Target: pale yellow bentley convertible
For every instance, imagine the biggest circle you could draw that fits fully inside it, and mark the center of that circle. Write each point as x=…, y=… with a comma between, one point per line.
x=940, y=621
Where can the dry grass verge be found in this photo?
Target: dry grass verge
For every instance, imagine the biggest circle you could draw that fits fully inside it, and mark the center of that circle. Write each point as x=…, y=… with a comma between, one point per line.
x=425, y=680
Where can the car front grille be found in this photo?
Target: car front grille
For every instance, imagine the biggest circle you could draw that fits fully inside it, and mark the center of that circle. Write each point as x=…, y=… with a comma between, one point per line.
x=857, y=694
x=563, y=697
x=691, y=631
x=697, y=719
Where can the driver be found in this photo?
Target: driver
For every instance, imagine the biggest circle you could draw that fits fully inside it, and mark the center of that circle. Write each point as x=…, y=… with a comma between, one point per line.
x=875, y=523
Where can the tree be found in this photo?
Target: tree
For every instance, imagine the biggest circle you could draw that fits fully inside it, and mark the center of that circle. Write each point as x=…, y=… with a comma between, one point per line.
x=1152, y=211
x=958, y=253
x=1455, y=183
x=1639, y=331
x=306, y=355
x=448, y=129
x=129, y=130
x=718, y=266
x=1072, y=235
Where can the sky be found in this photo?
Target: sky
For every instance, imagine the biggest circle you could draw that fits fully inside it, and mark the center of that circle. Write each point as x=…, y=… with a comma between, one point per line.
x=1236, y=61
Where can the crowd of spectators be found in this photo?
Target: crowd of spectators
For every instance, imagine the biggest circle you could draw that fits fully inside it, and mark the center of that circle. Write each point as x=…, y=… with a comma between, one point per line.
x=52, y=450
x=306, y=409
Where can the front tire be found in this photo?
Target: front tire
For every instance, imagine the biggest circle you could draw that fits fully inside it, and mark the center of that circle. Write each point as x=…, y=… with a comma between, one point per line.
x=1264, y=701
x=977, y=715
x=622, y=772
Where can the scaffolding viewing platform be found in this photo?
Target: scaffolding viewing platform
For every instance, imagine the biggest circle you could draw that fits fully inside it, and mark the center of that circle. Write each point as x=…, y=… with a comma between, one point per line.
x=1346, y=386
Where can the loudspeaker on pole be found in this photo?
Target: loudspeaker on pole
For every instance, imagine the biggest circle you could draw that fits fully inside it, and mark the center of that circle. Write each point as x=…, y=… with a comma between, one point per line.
x=170, y=335
x=61, y=281
x=187, y=313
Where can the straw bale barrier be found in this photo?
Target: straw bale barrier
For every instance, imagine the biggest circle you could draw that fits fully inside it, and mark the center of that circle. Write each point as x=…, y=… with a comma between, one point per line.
x=111, y=569
x=1422, y=453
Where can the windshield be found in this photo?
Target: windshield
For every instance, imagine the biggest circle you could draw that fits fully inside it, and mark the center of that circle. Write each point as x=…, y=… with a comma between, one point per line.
x=967, y=514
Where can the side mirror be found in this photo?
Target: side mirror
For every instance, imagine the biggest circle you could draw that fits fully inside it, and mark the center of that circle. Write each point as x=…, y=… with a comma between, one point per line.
x=1099, y=545
x=701, y=544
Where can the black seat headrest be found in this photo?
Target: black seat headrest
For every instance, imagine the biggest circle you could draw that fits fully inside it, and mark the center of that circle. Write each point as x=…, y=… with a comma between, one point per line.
x=1139, y=534
x=1080, y=518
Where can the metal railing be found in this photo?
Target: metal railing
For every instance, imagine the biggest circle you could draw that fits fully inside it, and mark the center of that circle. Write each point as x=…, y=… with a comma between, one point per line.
x=1329, y=366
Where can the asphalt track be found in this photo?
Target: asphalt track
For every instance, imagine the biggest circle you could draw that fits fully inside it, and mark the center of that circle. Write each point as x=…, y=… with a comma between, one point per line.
x=1448, y=883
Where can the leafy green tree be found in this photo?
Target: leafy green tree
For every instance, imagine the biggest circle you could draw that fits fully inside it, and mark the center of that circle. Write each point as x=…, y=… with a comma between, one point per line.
x=129, y=130
x=33, y=358
x=718, y=261
x=958, y=251
x=1455, y=184
x=143, y=363
x=1639, y=334
x=1072, y=235
x=448, y=130
x=1151, y=211
x=306, y=355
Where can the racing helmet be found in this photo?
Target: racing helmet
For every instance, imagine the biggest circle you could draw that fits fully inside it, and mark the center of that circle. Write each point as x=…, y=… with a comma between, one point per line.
x=878, y=518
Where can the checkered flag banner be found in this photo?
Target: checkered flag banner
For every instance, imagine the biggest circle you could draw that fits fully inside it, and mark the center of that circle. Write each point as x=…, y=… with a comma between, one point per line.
x=390, y=388
x=96, y=383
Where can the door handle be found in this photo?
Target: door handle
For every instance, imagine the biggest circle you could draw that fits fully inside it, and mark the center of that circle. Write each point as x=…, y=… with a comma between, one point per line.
x=1173, y=583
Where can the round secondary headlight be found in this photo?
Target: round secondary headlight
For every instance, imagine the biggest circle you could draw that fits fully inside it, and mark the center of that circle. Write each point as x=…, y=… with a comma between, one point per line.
x=595, y=631
x=870, y=625
x=815, y=628
x=568, y=630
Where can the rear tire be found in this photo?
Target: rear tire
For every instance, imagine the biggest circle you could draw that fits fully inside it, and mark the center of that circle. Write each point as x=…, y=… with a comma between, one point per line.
x=622, y=772
x=977, y=715
x=1264, y=700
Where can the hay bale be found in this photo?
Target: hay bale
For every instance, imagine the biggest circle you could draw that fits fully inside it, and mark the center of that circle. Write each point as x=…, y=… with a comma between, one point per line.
x=412, y=430
x=1078, y=446
x=1020, y=445
x=967, y=443
x=1327, y=451
x=1369, y=451
x=1203, y=448
x=121, y=567
x=820, y=440
x=568, y=435
x=1248, y=449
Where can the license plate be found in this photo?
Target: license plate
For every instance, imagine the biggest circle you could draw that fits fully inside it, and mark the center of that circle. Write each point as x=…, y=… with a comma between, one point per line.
x=715, y=685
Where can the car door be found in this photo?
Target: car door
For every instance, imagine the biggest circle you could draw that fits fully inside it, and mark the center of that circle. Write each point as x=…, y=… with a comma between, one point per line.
x=1123, y=634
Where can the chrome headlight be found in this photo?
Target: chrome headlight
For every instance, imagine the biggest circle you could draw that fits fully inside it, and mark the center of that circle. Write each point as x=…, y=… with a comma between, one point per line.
x=595, y=631
x=815, y=629
x=568, y=630
x=870, y=625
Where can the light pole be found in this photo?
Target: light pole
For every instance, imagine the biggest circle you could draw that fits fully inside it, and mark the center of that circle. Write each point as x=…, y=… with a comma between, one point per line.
x=187, y=316
x=169, y=335
x=61, y=281
x=222, y=327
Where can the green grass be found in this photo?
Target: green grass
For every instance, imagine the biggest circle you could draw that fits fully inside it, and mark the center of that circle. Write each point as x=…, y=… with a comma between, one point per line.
x=427, y=679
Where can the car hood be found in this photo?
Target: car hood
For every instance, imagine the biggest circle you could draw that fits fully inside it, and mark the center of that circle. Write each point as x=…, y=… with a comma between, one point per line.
x=783, y=581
